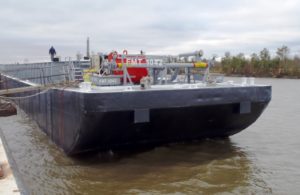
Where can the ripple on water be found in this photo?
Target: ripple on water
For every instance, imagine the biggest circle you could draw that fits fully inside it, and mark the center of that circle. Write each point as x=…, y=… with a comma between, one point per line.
x=209, y=166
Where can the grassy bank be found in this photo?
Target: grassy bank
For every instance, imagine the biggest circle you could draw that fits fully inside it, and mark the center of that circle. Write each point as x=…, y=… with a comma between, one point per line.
x=260, y=65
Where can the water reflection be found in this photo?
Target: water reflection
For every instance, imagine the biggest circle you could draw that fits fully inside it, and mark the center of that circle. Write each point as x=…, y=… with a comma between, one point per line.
x=209, y=166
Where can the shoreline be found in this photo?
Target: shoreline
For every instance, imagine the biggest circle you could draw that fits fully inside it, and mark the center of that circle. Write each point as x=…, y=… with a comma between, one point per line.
x=256, y=76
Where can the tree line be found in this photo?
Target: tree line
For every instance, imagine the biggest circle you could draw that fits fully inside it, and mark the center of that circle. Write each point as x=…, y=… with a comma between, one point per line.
x=260, y=65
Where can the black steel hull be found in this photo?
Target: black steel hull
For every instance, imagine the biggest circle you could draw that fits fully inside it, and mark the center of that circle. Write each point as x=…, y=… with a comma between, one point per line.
x=80, y=122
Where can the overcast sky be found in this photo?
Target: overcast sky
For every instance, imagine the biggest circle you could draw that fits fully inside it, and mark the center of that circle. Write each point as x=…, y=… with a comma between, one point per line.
x=30, y=27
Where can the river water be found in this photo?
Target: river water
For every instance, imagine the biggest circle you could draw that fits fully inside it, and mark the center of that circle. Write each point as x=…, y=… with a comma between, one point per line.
x=263, y=159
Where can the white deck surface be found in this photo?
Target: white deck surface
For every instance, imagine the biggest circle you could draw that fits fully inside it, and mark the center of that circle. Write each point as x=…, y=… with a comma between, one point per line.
x=135, y=88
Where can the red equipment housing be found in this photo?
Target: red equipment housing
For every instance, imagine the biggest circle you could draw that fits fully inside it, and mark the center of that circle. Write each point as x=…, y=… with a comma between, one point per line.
x=136, y=74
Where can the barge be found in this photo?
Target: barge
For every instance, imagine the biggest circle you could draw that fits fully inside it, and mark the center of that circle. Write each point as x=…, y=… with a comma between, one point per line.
x=134, y=100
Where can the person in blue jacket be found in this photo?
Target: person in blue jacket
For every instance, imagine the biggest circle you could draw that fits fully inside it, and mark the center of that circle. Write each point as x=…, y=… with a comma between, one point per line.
x=52, y=53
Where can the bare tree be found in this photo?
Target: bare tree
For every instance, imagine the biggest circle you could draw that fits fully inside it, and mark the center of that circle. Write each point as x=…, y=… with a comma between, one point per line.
x=283, y=52
x=227, y=54
x=264, y=54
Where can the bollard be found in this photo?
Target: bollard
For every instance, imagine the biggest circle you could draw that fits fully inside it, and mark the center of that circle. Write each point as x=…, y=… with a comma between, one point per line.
x=7, y=109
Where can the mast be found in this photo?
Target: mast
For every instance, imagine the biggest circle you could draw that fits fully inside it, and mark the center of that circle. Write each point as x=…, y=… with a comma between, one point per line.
x=88, y=48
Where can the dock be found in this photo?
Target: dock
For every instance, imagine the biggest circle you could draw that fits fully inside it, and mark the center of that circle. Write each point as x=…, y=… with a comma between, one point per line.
x=8, y=184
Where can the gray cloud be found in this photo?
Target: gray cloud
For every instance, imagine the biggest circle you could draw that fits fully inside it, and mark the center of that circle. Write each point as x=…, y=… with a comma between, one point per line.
x=29, y=28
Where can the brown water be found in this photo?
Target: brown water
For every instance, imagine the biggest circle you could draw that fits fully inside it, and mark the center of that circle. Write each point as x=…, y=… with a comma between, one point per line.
x=263, y=159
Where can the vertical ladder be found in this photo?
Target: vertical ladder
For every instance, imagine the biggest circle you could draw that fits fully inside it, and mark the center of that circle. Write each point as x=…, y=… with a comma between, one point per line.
x=78, y=74
x=75, y=73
